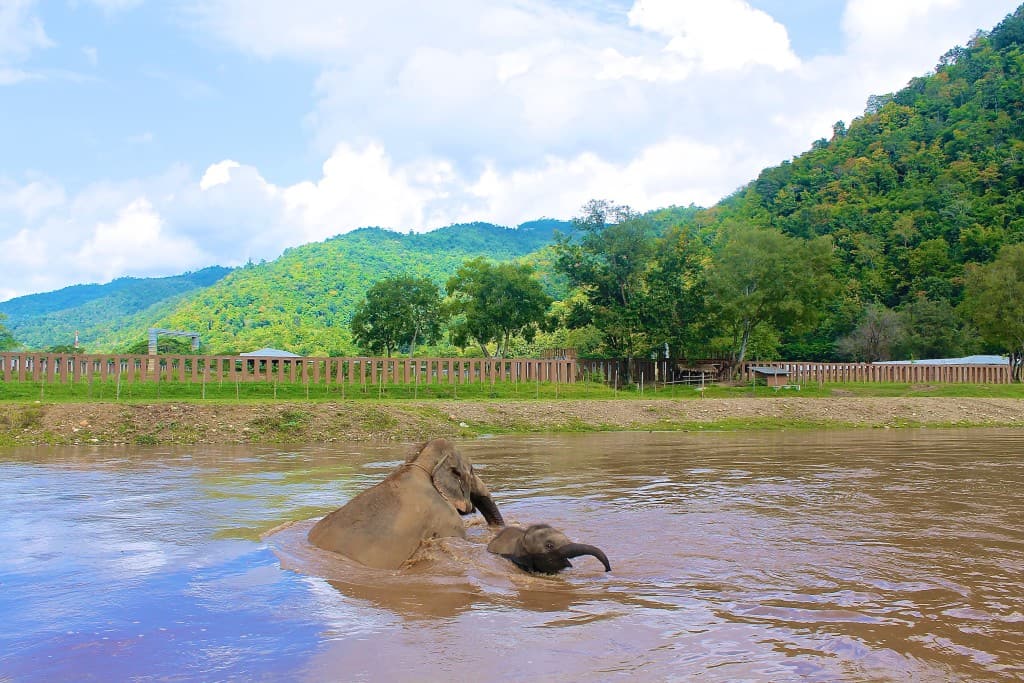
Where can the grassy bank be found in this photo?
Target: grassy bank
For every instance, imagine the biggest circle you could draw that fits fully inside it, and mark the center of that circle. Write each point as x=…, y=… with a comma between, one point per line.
x=44, y=392
x=250, y=413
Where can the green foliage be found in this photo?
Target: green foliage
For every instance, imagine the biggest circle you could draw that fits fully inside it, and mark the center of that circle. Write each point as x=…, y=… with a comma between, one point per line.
x=302, y=301
x=495, y=303
x=928, y=180
x=398, y=312
x=7, y=340
x=606, y=260
x=104, y=316
x=994, y=301
x=933, y=329
x=763, y=277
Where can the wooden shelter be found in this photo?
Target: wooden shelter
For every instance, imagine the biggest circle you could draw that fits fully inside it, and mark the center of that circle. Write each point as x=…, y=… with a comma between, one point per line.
x=773, y=377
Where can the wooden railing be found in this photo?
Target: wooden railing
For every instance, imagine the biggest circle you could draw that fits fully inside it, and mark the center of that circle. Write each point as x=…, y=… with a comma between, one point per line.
x=613, y=372
x=369, y=371
x=65, y=368
x=906, y=373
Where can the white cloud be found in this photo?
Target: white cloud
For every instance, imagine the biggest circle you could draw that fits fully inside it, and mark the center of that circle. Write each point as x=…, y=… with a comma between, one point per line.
x=21, y=33
x=136, y=243
x=717, y=36
x=218, y=174
x=231, y=213
x=883, y=21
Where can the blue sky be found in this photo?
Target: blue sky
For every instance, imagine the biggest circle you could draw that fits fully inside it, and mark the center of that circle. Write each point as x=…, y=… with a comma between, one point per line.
x=228, y=130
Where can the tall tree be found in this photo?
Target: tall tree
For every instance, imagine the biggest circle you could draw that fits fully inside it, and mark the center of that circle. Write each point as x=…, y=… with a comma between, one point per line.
x=762, y=277
x=607, y=259
x=874, y=338
x=398, y=312
x=678, y=292
x=494, y=303
x=934, y=329
x=994, y=301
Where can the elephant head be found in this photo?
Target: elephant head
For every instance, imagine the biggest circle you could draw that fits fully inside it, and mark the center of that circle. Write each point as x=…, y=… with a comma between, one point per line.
x=423, y=499
x=454, y=479
x=541, y=548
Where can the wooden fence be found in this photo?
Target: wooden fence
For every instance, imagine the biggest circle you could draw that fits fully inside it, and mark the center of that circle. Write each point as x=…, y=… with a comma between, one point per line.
x=613, y=372
x=906, y=373
x=363, y=371
x=67, y=368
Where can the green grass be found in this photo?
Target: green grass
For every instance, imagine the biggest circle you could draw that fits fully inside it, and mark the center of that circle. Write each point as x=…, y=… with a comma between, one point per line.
x=23, y=392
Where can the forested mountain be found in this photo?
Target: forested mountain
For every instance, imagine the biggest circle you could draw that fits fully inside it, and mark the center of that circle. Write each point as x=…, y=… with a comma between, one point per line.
x=927, y=181
x=94, y=311
x=304, y=300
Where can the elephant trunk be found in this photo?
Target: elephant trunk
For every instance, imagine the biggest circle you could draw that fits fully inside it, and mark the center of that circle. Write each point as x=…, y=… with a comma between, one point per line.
x=576, y=549
x=488, y=508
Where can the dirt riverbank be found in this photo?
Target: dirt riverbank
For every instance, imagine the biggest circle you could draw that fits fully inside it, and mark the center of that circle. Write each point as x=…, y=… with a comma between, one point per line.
x=316, y=422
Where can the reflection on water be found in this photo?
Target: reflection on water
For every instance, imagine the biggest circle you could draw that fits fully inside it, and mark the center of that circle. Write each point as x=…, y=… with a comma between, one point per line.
x=893, y=555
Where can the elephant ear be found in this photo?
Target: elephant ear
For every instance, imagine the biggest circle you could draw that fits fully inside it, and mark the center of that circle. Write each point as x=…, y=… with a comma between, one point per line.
x=452, y=476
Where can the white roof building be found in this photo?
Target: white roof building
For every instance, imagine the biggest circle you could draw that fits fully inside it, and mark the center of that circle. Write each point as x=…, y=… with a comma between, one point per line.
x=270, y=353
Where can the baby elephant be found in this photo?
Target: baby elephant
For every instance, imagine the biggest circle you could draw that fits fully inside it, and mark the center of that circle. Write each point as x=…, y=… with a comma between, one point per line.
x=541, y=548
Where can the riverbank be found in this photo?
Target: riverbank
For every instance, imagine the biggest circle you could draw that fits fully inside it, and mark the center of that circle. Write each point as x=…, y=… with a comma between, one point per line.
x=410, y=420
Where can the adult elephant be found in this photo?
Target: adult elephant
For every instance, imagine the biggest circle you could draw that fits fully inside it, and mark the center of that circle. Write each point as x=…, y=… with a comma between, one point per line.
x=383, y=526
x=541, y=548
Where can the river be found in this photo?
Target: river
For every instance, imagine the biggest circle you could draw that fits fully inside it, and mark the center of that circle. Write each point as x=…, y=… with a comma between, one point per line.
x=791, y=556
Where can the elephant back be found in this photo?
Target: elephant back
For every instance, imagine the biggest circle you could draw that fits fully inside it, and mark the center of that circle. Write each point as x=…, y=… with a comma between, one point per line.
x=383, y=526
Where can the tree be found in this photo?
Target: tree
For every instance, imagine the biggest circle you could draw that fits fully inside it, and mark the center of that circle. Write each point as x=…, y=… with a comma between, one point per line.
x=934, y=329
x=494, y=303
x=994, y=302
x=7, y=340
x=607, y=260
x=875, y=337
x=677, y=289
x=398, y=312
x=760, y=276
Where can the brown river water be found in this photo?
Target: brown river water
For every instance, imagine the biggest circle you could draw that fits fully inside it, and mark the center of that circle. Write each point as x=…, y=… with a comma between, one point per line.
x=794, y=556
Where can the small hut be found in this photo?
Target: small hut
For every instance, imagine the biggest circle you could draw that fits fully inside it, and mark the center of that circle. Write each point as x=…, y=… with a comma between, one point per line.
x=773, y=377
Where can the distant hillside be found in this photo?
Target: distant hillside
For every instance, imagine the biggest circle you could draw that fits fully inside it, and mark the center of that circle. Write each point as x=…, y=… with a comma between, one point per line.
x=303, y=301
x=94, y=311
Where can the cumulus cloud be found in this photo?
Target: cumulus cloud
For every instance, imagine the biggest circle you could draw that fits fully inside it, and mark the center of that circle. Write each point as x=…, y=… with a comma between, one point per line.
x=230, y=213
x=135, y=242
x=717, y=36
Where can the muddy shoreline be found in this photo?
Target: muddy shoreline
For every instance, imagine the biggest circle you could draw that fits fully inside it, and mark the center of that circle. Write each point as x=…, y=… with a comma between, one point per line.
x=404, y=420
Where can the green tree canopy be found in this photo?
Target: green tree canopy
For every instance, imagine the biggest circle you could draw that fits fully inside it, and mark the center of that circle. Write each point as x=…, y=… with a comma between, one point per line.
x=494, y=303
x=994, y=301
x=762, y=277
x=398, y=312
x=607, y=260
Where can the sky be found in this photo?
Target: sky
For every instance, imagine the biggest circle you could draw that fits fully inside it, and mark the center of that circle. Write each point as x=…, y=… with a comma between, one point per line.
x=142, y=138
